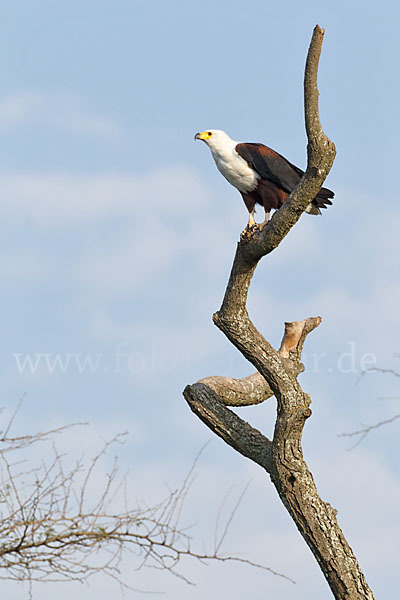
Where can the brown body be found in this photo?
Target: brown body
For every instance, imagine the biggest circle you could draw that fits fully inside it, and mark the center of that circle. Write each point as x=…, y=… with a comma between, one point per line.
x=267, y=194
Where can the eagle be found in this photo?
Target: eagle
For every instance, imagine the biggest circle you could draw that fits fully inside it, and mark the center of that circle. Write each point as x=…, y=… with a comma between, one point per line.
x=261, y=175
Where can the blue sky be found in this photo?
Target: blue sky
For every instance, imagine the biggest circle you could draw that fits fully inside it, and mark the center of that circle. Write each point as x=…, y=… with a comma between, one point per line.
x=118, y=233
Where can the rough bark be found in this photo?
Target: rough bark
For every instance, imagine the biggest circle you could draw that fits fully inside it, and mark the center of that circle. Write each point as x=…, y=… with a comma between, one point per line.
x=277, y=372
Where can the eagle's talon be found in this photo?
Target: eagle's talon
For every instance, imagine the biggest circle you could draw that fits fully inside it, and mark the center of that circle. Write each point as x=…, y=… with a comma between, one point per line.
x=249, y=230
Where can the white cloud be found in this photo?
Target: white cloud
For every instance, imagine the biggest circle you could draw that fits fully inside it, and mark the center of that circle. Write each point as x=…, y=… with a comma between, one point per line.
x=23, y=268
x=19, y=108
x=62, y=110
x=53, y=200
x=130, y=262
x=146, y=231
x=151, y=223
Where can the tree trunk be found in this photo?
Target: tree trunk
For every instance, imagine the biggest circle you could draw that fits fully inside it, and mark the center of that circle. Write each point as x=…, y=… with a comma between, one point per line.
x=277, y=372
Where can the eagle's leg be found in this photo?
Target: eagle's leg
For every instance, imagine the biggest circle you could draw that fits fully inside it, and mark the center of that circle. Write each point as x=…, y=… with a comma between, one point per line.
x=251, y=222
x=266, y=219
x=251, y=225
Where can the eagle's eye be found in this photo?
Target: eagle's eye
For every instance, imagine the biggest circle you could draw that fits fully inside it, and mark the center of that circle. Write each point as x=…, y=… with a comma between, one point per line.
x=209, y=133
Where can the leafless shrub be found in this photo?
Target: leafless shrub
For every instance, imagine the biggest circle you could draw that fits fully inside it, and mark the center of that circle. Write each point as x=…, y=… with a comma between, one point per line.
x=52, y=530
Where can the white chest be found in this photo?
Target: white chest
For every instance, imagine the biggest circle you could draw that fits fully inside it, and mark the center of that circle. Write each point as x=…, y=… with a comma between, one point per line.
x=236, y=170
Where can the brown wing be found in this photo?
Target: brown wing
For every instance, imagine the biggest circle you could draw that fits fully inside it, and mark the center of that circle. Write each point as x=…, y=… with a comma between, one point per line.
x=270, y=165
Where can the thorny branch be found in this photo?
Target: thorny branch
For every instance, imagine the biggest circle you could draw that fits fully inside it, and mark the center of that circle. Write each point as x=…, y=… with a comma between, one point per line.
x=277, y=371
x=57, y=523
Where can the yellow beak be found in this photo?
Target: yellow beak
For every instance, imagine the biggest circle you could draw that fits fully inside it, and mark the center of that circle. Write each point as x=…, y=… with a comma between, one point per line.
x=202, y=136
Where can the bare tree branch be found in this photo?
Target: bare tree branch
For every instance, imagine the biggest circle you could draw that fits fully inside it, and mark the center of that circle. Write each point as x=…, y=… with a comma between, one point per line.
x=380, y=370
x=239, y=392
x=254, y=389
x=366, y=430
x=57, y=524
x=282, y=457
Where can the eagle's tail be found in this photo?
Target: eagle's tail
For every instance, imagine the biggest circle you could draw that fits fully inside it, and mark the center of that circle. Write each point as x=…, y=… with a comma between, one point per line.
x=321, y=200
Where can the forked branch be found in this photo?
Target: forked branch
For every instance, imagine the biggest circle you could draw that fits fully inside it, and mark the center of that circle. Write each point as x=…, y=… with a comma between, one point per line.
x=277, y=371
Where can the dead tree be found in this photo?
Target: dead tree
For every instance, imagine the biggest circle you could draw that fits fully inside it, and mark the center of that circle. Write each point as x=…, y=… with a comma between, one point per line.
x=277, y=372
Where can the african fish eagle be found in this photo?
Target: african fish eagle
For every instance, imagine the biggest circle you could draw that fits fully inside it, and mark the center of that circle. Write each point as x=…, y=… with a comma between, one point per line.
x=260, y=174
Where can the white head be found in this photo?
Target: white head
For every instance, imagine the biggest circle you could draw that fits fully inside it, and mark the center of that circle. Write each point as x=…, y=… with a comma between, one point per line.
x=218, y=141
